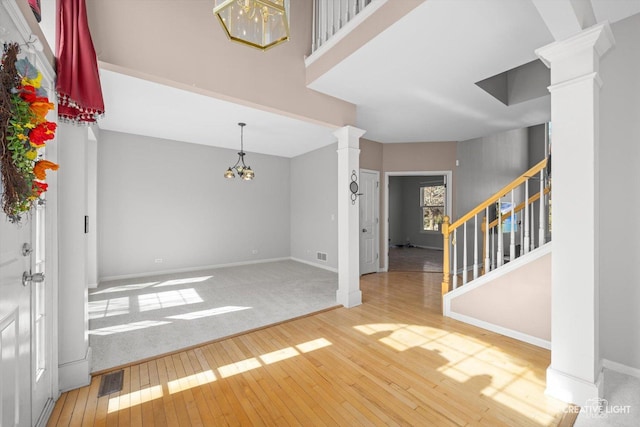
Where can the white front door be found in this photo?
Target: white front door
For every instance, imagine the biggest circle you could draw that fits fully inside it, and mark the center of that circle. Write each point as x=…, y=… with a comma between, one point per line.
x=369, y=228
x=15, y=325
x=41, y=319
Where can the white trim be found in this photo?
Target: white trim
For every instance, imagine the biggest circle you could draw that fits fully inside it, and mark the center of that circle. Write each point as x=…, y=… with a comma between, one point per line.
x=449, y=181
x=343, y=32
x=494, y=274
x=539, y=342
x=314, y=264
x=570, y=389
x=75, y=374
x=186, y=270
x=46, y=413
x=619, y=367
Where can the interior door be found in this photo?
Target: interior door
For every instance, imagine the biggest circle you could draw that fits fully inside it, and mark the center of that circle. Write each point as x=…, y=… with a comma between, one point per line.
x=369, y=228
x=15, y=325
x=41, y=308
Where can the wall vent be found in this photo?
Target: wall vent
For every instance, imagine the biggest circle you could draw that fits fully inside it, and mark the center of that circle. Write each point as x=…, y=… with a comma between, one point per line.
x=321, y=256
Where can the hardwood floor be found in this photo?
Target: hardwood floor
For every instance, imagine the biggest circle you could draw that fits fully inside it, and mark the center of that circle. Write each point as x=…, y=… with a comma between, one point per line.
x=394, y=360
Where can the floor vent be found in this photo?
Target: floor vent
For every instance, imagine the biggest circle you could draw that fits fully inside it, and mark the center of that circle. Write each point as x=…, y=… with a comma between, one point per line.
x=111, y=383
x=321, y=256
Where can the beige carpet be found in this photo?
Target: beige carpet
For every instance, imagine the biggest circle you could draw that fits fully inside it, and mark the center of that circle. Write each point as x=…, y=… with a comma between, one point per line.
x=130, y=320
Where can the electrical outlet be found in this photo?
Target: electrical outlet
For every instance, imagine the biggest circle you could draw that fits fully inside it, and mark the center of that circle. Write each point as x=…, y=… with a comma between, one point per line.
x=158, y=261
x=254, y=251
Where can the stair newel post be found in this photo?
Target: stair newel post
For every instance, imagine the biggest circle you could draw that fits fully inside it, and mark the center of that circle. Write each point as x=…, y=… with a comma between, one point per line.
x=512, y=234
x=525, y=243
x=543, y=223
x=475, y=248
x=500, y=252
x=445, y=255
x=464, y=255
x=454, y=249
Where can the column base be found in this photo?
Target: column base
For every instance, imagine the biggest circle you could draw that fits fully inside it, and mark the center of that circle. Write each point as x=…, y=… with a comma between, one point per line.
x=573, y=390
x=349, y=299
x=75, y=374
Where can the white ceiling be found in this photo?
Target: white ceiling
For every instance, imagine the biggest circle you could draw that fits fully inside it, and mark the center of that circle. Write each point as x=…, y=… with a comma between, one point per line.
x=414, y=82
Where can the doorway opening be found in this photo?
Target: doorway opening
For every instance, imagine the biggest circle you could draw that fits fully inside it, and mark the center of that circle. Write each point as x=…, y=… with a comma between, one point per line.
x=415, y=205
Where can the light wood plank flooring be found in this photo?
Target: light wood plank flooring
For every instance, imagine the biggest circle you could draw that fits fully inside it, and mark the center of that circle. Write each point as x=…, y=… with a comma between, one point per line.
x=394, y=360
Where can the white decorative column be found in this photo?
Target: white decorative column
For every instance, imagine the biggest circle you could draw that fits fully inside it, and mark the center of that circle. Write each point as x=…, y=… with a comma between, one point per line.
x=348, y=293
x=74, y=356
x=575, y=374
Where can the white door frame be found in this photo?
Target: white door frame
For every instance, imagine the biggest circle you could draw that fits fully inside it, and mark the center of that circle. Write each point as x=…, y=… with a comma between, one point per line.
x=449, y=177
x=376, y=209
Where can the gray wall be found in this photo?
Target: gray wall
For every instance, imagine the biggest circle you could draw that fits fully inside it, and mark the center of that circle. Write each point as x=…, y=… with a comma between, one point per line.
x=619, y=155
x=488, y=164
x=314, y=206
x=405, y=215
x=161, y=199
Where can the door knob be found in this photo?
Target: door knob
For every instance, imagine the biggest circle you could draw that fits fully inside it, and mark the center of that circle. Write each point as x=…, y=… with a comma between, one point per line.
x=27, y=277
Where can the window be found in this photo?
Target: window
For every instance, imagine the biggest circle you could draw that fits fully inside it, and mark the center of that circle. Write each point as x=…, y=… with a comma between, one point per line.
x=432, y=203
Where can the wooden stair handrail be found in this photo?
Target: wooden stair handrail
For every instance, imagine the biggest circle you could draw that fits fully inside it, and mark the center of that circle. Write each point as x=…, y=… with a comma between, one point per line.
x=501, y=193
x=518, y=208
x=448, y=228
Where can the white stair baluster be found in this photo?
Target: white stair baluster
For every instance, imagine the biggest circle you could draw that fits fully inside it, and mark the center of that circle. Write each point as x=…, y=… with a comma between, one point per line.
x=500, y=237
x=475, y=248
x=454, y=252
x=464, y=255
x=512, y=237
x=543, y=223
x=487, y=253
x=527, y=238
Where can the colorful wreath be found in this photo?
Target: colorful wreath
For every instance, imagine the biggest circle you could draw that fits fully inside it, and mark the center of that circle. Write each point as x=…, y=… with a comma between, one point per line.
x=24, y=130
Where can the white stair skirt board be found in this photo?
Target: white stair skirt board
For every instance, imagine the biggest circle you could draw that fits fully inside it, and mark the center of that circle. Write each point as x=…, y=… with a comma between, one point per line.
x=494, y=274
x=538, y=342
x=487, y=278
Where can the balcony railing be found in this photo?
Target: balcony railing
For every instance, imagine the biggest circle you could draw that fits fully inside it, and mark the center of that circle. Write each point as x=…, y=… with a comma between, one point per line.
x=329, y=16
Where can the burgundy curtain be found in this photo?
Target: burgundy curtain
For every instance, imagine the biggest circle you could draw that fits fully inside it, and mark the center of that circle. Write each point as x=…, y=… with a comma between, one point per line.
x=78, y=86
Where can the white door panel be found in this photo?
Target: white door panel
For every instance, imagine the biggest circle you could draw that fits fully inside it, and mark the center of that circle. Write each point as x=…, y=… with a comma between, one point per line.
x=369, y=189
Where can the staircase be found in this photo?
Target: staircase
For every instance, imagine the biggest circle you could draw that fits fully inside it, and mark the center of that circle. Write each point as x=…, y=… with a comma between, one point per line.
x=497, y=260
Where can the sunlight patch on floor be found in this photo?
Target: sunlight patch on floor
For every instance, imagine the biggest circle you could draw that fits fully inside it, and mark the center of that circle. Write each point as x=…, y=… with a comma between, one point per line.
x=108, y=307
x=466, y=360
x=115, y=329
x=208, y=313
x=134, y=398
x=160, y=300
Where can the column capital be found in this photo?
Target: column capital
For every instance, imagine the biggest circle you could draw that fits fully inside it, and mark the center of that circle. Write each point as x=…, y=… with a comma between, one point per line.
x=599, y=38
x=578, y=56
x=348, y=136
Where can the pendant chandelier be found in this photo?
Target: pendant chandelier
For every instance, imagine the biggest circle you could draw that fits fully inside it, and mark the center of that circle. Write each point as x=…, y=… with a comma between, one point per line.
x=245, y=172
x=258, y=23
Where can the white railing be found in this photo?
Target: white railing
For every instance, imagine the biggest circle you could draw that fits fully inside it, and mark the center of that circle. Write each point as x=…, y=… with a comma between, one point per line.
x=329, y=16
x=511, y=218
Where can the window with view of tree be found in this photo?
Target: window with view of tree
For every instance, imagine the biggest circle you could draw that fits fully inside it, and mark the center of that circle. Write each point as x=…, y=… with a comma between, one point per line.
x=432, y=203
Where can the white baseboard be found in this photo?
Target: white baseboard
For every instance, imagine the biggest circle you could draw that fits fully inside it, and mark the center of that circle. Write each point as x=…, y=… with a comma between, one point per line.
x=619, y=367
x=75, y=374
x=46, y=413
x=570, y=389
x=313, y=264
x=186, y=270
x=538, y=342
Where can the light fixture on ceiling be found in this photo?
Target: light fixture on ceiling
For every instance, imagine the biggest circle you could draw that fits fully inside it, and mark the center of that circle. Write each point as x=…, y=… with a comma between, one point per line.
x=258, y=23
x=245, y=172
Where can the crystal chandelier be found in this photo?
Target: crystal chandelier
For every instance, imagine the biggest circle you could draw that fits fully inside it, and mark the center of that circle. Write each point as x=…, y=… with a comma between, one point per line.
x=258, y=23
x=245, y=172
